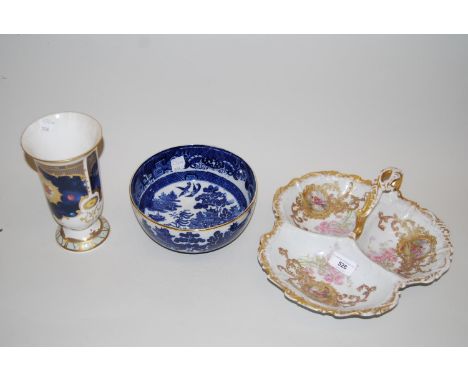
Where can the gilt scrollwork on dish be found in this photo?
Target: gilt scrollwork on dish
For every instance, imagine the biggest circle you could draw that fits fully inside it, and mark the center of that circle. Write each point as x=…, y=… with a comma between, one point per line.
x=320, y=201
x=333, y=209
x=304, y=275
x=415, y=250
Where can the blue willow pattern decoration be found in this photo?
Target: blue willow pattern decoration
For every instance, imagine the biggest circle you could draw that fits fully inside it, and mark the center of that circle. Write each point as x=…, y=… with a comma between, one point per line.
x=193, y=198
x=192, y=241
x=197, y=157
x=214, y=207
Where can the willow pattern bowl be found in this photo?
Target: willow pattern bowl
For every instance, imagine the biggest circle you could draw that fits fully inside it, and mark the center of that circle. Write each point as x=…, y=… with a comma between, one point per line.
x=346, y=246
x=193, y=198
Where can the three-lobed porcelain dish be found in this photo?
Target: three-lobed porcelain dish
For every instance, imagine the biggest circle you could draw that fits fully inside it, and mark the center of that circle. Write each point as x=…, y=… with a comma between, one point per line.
x=346, y=246
x=193, y=198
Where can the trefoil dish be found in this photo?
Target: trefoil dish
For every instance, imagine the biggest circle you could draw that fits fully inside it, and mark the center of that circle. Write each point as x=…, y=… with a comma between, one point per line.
x=346, y=246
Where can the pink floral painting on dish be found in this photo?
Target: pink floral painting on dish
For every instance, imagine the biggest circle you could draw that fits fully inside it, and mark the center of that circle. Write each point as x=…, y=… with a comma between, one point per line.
x=385, y=255
x=320, y=264
x=333, y=276
x=336, y=228
x=419, y=248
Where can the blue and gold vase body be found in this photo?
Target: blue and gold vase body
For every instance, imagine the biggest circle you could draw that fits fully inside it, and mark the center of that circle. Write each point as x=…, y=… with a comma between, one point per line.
x=73, y=192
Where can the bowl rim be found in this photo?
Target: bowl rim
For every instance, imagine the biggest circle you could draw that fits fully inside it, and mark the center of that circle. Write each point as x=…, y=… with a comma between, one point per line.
x=245, y=211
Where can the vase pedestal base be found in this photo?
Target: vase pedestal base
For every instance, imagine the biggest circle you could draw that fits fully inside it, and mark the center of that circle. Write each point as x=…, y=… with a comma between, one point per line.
x=86, y=240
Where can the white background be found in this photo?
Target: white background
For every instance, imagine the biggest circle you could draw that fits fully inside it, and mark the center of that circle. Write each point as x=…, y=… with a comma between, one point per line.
x=286, y=104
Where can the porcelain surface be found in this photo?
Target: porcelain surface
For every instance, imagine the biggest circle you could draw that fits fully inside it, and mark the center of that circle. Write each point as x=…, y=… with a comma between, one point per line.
x=346, y=246
x=64, y=147
x=193, y=198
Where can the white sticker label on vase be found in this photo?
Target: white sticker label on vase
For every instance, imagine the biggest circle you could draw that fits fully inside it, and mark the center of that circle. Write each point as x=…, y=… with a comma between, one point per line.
x=46, y=124
x=178, y=163
x=342, y=264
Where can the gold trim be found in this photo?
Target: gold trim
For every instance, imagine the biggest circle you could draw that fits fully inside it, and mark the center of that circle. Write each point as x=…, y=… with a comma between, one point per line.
x=71, y=169
x=103, y=228
x=320, y=290
x=369, y=312
x=91, y=202
x=75, y=158
x=448, y=244
x=51, y=191
x=92, y=236
x=246, y=210
x=292, y=182
x=363, y=213
x=386, y=175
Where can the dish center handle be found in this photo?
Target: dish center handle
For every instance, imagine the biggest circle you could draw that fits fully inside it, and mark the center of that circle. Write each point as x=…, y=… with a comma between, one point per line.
x=390, y=179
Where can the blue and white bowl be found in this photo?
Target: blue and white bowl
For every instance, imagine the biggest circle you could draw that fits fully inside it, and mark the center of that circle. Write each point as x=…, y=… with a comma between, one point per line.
x=193, y=198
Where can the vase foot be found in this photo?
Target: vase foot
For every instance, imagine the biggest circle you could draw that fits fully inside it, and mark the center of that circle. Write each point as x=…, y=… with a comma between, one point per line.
x=91, y=241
